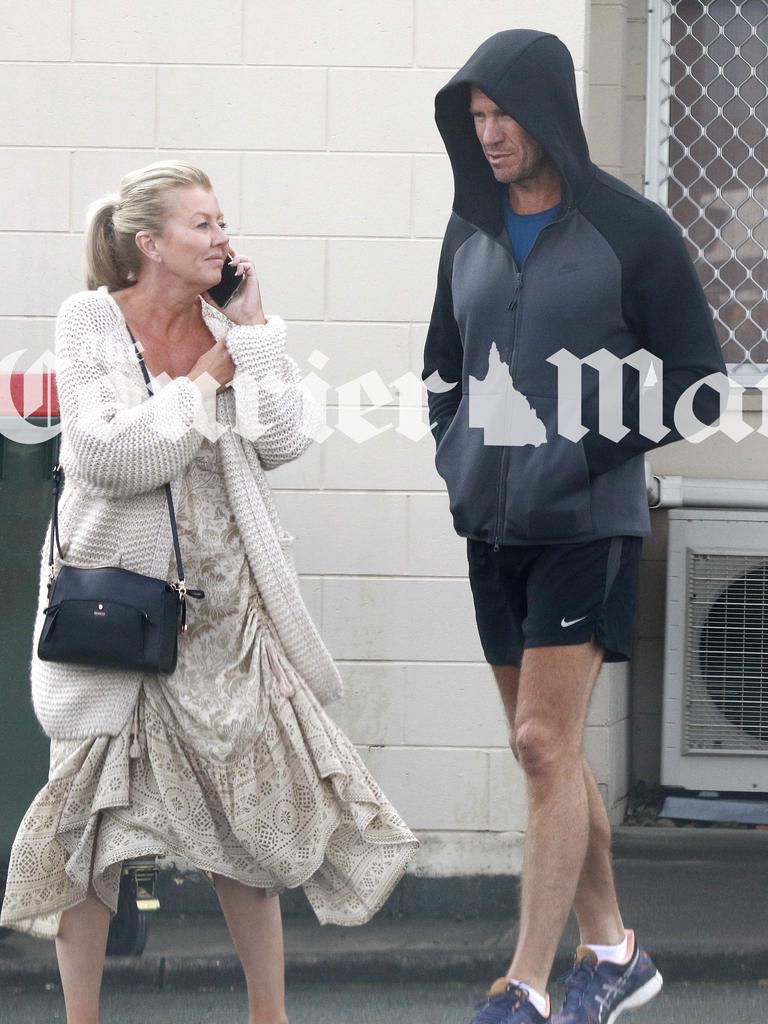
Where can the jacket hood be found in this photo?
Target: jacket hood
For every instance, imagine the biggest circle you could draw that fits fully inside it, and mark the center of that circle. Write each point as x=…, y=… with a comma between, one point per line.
x=530, y=76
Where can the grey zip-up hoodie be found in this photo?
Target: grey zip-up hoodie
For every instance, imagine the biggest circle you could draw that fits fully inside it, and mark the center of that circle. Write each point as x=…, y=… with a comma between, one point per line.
x=610, y=272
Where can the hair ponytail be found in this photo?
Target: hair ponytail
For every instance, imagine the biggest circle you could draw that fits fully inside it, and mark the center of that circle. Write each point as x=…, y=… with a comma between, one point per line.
x=101, y=263
x=112, y=257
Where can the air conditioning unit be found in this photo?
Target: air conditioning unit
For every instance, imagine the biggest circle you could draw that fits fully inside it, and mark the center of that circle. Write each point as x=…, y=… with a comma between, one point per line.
x=715, y=709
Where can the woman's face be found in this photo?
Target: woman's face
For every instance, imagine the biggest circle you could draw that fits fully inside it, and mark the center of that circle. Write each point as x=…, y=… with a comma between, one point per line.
x=193, y=243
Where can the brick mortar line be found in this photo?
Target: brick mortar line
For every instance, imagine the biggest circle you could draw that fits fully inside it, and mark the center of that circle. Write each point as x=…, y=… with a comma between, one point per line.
x=197, y=65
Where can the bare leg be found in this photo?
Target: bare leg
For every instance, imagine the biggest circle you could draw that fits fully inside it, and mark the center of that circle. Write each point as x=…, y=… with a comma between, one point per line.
x=255, y=925
x=508, y=680
x=554, y=686
x=80, y=948
x=595, y=904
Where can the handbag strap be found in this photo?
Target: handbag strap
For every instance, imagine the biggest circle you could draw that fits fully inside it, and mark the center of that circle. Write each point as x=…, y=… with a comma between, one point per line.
x=181, y=586
x=56, y=477
x=168, y=496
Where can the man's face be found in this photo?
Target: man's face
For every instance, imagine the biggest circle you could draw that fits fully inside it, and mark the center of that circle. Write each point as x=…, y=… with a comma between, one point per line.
x=513, y=154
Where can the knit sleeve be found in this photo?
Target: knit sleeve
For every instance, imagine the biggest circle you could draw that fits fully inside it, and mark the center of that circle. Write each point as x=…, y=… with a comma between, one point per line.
x=275, y=410
x=116, y=439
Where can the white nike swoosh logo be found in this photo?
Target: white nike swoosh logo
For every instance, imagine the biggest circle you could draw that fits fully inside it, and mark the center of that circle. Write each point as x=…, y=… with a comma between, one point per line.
x=573, y=622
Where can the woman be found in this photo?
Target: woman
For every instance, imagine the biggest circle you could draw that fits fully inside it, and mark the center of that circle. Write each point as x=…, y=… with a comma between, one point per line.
x=230, y=762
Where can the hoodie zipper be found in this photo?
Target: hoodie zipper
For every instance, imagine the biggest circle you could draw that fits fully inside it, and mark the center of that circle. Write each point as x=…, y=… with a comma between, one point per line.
x=501, y=488
x=514, y=308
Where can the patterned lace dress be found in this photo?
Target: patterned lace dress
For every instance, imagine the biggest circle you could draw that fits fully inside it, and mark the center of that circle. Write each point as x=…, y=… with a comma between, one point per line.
x=237, y=768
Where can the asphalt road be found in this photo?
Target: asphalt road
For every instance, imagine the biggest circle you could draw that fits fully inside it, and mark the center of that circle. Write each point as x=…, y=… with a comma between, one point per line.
x=745, y=1003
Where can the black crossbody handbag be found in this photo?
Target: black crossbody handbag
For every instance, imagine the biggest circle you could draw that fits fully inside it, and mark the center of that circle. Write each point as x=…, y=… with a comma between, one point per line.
x=109, y=616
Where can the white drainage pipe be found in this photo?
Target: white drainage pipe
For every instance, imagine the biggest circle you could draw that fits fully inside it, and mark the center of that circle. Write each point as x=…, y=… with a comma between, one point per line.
x=694, y=492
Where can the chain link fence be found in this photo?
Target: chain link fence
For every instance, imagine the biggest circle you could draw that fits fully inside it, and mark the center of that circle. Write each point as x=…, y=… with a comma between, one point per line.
x=708, y=159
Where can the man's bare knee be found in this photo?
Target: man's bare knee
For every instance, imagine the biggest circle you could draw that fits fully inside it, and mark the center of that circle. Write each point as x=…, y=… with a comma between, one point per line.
x=535, y=746
x=541, y=748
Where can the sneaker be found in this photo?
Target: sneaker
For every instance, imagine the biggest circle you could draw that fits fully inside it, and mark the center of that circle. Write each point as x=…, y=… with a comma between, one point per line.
x=598, y=992
x=507, y=1004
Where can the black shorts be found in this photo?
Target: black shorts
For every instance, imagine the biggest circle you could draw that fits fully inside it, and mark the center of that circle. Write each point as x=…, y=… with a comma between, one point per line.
x=554, y=594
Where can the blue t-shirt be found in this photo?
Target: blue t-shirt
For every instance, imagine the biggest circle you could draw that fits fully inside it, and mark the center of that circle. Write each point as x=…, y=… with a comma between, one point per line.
x=523, y=228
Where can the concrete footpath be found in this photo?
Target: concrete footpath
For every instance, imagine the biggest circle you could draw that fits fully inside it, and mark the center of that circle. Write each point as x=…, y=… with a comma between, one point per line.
x=697, y=898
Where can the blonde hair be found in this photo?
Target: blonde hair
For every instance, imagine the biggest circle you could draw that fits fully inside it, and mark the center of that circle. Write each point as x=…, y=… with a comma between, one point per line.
x=112, y=257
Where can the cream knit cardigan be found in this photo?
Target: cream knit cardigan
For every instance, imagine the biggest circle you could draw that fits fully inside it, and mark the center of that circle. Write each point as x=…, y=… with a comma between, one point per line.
x=119, y=448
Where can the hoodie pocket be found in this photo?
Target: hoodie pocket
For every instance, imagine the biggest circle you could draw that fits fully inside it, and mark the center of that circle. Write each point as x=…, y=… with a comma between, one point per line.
x=520, y=492
x=547, y=487
x=470, y=469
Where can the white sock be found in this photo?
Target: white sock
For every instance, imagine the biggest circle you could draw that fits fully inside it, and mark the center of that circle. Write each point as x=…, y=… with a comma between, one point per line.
x=539, y=1002
x=614, y=954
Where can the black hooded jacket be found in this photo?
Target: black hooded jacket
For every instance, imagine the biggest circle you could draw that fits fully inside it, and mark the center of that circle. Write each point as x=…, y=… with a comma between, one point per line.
x=610, y=272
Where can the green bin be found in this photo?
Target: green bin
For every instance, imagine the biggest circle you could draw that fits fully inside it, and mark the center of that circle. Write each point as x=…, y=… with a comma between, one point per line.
x=25, y=509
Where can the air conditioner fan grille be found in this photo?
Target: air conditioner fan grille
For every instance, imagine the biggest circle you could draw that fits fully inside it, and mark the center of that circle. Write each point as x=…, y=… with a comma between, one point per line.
x=726, y=691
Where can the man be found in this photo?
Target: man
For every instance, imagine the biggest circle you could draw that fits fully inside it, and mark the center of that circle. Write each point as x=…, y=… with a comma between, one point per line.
x=545, y=251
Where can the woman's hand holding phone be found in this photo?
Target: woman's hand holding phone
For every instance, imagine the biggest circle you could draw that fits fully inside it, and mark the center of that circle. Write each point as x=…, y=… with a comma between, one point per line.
x=245, y=305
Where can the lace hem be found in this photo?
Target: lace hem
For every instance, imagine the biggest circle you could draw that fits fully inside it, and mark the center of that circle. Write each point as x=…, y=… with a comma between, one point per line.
x=298, y=808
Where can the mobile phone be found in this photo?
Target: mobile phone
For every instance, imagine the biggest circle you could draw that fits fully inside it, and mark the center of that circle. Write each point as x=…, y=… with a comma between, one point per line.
x=221, y=293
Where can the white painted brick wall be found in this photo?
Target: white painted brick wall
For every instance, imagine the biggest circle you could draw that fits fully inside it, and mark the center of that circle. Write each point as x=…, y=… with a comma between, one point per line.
x=436, y=787
x=382, y=279
x=452, y=704
x=315, y=123
x=39, y=271
x=383, y=111
x=77, y=105
x=373, y=710
x=241, y=108
x=386, y=462
x=327, y=194
x=35, y=193
x=25, y=36
x=408, y=619
x=356, y=32
x=370, y=533
x=608, y=27
x=145, y=32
